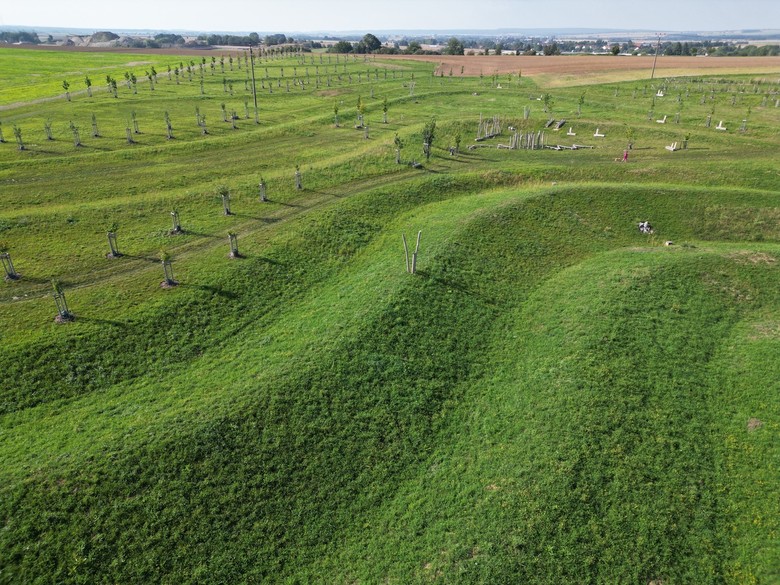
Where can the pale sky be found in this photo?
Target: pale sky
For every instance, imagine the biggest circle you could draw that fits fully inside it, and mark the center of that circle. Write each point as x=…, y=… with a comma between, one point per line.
x=288, y=16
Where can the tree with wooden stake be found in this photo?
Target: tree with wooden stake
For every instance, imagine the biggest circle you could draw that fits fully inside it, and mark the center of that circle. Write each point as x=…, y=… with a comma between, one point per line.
x=75, y=130
x=428, y=134
x=298, y=182
x=114, y=249
x=88, y=83
x=8, y=265
x=411, y=267
x=134, y=82
x=95, y=131
x=165, y=260
x=630, y=134
x=384, y=110
x=359, y=110
x=224, y=193
x=18, y=136
x=254, y=83
x=548, y=103
x=176, y=224
x=580, y=103
x=399, y=144
x=336, y=115
x=2, y=138
x=66, y=86
x=47, y=129
x=168, y=126
x=233, y=240
x=136, y=130
x=63, y=312
x=263, y=198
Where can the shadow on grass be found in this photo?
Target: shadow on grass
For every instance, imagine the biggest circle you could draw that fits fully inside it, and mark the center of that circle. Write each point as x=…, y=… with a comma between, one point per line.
x=214, y=290
x=99, y=321
x=203, y=234
x=144, y=258
x=257, y=218
x=451, y=285
x=30, y=279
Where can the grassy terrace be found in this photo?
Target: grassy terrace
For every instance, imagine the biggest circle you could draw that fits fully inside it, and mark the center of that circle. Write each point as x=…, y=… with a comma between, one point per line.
x=553, y=397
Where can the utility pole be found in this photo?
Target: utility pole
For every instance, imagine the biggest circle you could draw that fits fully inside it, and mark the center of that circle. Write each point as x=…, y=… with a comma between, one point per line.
x=254, y=87
x=657, y=50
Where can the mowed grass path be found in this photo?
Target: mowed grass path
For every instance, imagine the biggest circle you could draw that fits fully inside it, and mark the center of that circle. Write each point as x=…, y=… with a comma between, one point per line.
x=554, y=397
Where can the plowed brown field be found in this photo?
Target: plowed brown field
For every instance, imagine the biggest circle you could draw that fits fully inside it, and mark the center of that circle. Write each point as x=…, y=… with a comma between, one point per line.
x=570, y=69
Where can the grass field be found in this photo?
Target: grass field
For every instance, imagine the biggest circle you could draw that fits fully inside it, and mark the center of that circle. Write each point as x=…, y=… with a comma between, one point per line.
x=553, y=397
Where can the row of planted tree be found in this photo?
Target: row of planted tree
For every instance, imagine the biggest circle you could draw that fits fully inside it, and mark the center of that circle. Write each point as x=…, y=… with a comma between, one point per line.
x=132, y=124
x=64, y=314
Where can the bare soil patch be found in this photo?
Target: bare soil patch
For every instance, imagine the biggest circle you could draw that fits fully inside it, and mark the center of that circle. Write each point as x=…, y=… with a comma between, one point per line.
x=765, y=330
x=747, y=257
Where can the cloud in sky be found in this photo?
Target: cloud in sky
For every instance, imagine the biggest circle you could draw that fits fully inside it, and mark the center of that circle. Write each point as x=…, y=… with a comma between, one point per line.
x=370, y=15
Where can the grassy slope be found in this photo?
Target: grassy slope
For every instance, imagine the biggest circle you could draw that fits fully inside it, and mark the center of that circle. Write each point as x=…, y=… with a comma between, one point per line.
x=554, y=398
x=526, y=437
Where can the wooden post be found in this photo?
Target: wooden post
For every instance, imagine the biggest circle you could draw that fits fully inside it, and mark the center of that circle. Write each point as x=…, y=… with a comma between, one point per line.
x=8, y=266
x=263, y=198
x=112, y=246
x=63, y=312
x=414, y=254
x=233, y=240
x=176, y=229
x=168, y=273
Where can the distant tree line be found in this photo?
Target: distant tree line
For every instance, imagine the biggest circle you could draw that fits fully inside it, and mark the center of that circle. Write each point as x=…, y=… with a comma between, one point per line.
x=748, y=51
x=19, y=37
x=239, y=40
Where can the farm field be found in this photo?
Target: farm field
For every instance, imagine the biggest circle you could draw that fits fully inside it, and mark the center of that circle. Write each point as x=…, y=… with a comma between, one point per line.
x=553, y=397
x=563, y=70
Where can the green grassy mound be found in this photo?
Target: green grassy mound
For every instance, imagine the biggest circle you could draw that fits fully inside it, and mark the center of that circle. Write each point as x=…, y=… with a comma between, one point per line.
x=552, y=398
